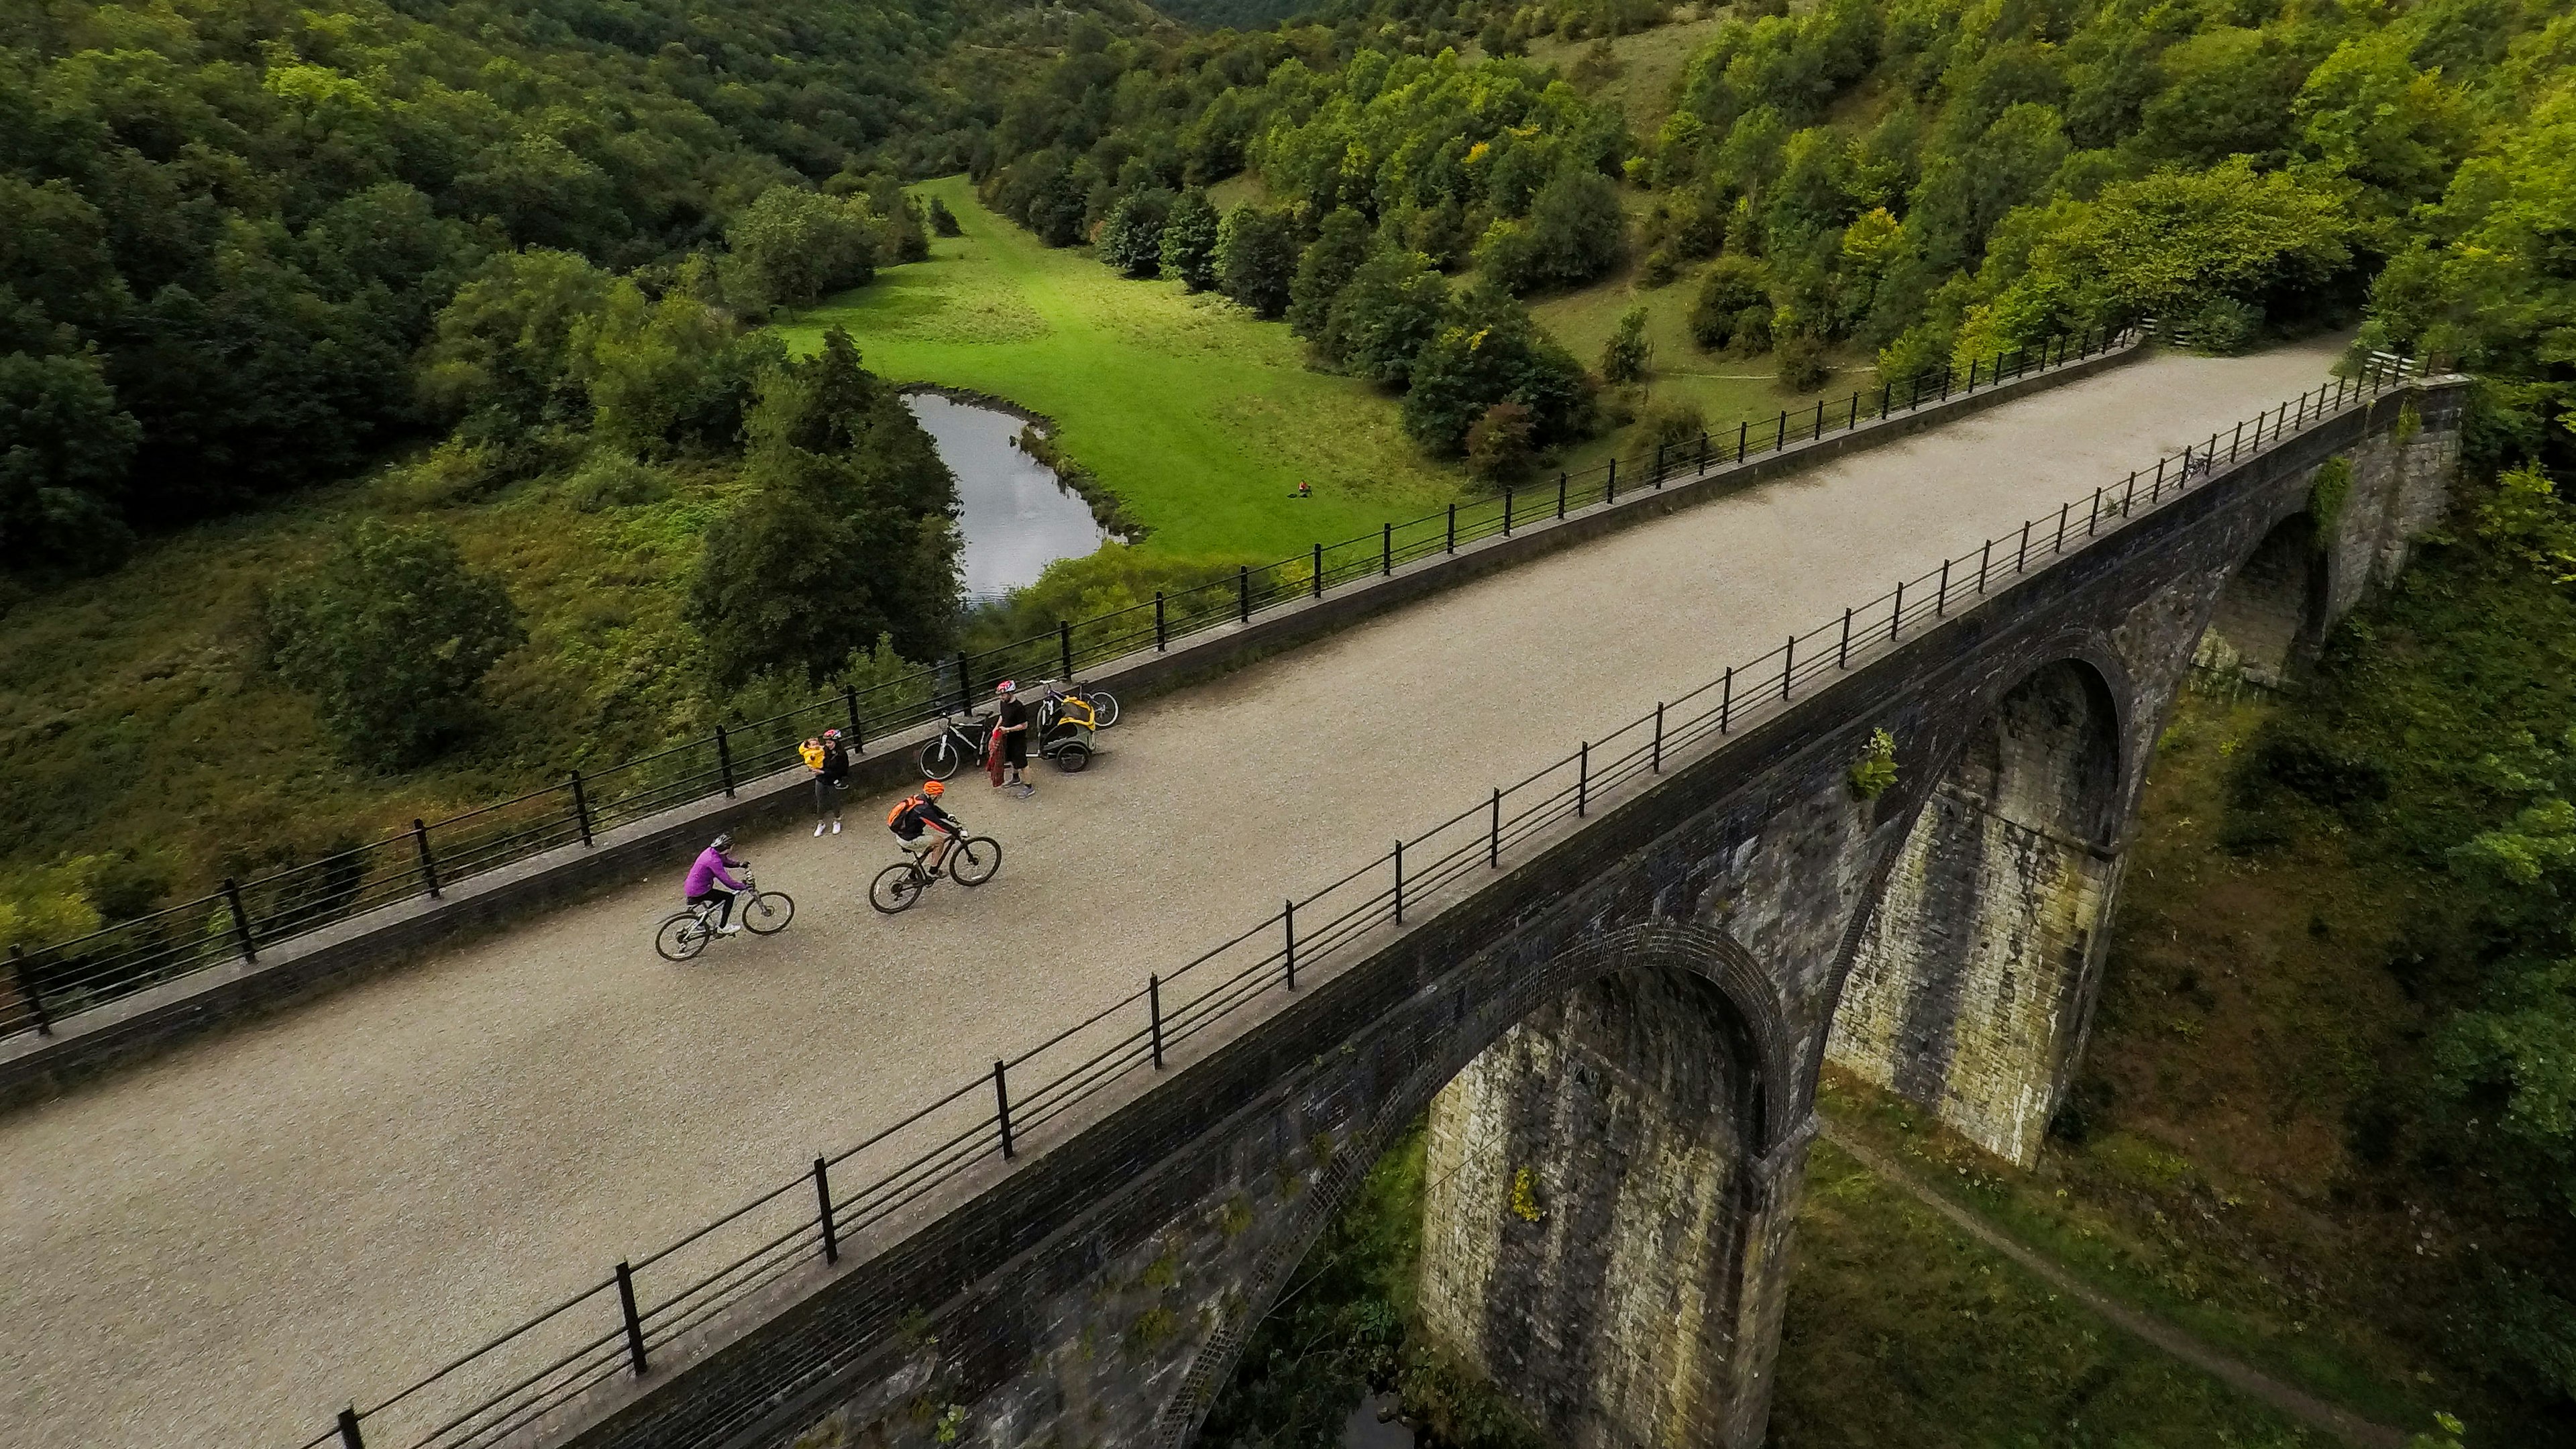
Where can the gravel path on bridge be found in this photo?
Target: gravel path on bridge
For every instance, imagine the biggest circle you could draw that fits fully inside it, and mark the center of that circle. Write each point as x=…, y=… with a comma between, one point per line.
x=222, y=1247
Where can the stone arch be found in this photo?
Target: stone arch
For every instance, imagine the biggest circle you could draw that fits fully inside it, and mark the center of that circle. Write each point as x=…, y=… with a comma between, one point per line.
x=2270, y=616
x=1973, y=974
x=1767, y=1123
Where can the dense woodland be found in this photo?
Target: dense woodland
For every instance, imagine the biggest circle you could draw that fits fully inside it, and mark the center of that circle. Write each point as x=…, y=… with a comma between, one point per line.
x=247, y=248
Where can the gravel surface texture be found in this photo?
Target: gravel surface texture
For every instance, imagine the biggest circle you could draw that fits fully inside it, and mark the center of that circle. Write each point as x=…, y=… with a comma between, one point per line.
x=221, y=1247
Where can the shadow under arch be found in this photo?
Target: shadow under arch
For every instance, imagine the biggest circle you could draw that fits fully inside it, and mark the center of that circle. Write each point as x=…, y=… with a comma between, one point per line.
x=1771, y=1123
x=2269, y=619
x=1972, y=977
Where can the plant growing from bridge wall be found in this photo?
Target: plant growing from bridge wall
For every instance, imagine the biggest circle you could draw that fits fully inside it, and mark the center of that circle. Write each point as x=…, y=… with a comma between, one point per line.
x=2327, y=493
x=1875, y=770
x=1525, y=1204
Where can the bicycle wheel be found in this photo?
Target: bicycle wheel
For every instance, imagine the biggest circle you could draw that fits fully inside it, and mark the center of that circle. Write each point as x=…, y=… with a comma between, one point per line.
x=1072, y=757
x=768, y=913
x=682, y=936
x=972, y=861
x=1104, y=707
x=940, y=759
x=896, y=888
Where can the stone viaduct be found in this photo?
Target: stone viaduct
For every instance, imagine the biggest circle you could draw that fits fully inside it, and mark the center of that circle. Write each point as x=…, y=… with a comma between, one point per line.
x=1617, y=1035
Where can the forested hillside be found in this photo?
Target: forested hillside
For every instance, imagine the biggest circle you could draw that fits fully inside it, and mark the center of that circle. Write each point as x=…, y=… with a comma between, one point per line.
x=225, y=228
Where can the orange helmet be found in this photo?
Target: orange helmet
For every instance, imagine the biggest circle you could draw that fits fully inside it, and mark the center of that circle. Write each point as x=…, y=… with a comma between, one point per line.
x=933, y=789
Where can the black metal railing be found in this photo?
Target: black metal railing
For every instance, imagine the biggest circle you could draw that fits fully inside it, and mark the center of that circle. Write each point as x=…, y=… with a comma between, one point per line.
x=617, y=1323
x=49, y=982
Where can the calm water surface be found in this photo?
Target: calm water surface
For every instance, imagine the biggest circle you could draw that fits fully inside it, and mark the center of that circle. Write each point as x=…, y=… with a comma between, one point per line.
x=1017, y=517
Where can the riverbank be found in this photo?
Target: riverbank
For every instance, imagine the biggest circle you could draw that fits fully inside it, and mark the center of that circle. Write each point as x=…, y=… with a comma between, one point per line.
x=1199, y=420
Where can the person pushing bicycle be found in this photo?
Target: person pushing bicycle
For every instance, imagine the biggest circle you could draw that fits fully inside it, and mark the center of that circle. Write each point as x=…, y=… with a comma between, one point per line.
x=706, y=873
x=919, y=825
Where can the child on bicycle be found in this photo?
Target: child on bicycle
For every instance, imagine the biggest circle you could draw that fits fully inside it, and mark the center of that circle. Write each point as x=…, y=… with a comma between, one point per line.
x=919, y=825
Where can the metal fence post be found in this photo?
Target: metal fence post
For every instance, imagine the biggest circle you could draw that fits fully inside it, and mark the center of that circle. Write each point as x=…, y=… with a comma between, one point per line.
x=2129, y=496
x=724, y=761
x=1582, y=778
x=1985, y=557
x=1740, y=426
x=1659, y=737
x=1610, y=484
x=1064, y=648
x=1853, y=421
x=1818, y=435
x=580, y=807
x=2021, y=560
x=1162, y=640
x=1659, y=465
x=1941, y=602
x=850, y=698
x=1243, y=590
x=1399, y=882
x=823, y=1199
x=965, y=685
x=2063, y=509
x=1896, y=615
x=1788, y=662
x=1002, y=1108
x=1560, y=497
x=1507, y=513
x=1842, y=655
x=1452, y=545
x=1386, y=550
x=2234, y=443
x=26, y=980
x=2093, y=520
x=241, y=919
x=1726, y=702
x=1154, y=1016
x=1780, y=432
x=1972, y=377
x=1288, y=927
x=1702, y=465
x=634, y=1320
x=1318, y=567
x=350, y=1438
x=1886, y=395
x=428, y=862
x=1494, y=842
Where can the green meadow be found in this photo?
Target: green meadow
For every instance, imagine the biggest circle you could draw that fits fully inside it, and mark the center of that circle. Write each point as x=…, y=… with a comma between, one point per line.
x=1199, y=418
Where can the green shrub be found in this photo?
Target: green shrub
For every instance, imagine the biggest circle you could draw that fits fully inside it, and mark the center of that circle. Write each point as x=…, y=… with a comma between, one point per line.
x=1733, y=309
x=1498, y=445
x=390, y=635
x=1669, y=427
x=1188, y=245
x=1256, y=256
x=1624, y=358
x=793, y=247
x=1802, y=363
x=942, y=220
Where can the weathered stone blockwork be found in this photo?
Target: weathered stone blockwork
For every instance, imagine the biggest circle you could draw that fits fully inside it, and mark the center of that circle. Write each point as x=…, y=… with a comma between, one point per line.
x=1662, y=978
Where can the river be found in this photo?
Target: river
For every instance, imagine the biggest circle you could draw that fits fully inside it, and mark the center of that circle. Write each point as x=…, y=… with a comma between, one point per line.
x=1017, y=516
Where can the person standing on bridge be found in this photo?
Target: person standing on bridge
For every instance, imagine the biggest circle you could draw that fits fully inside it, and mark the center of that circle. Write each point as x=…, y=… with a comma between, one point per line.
x=831, y=766
x=1011, y=738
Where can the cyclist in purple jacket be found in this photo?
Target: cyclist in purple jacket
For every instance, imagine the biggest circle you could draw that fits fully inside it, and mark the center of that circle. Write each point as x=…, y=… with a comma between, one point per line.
x=706, y=873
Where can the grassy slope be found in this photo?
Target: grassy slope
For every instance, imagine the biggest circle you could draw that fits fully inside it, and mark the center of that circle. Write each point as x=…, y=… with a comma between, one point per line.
x=1201, y=419
x=1902, y=1331
x=136, y=715
x=1726, y=390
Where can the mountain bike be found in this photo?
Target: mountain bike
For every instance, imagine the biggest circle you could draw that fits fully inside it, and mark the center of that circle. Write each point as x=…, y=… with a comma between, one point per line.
x=956, y=746
x=971, y=861
x=685, y=933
